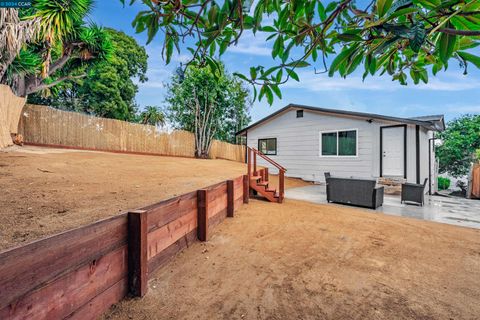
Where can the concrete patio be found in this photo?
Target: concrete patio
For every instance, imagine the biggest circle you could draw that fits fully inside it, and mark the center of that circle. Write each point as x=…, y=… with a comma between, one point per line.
x=450, y=210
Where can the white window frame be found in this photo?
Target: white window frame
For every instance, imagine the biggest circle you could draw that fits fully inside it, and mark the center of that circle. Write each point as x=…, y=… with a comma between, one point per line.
x=337, y=155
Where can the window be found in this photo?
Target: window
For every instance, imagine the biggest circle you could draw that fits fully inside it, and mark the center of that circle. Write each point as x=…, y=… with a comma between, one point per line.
x=339, y=143
x=299, y=113
x=268, y=146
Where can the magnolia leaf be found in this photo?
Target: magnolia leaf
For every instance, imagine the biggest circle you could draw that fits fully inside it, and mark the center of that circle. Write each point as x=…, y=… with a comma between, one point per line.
x=470, y=58
x=277, y=91
x=341, y=59
x=292, y=74
x=419, y=34
x=349, y=36
x=446, y=46
x=399, y=4
x=321, y=11
x=383, y=6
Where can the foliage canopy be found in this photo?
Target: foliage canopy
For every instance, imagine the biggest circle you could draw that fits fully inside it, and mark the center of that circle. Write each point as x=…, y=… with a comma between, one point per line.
x=222, y=95
x=404, y=38
x=460, y=141
x=108, y=89
x=61, y=38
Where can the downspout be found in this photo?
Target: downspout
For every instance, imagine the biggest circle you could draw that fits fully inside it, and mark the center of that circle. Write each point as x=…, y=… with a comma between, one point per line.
x=246, y=146
x=417, y=153
x=431, y=145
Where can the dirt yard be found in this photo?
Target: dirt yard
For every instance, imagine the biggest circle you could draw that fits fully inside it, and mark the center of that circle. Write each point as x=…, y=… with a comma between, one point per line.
x=304, y=261
x=45, y=191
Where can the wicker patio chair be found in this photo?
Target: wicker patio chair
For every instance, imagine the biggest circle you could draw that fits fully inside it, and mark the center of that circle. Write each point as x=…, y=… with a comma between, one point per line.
x=414, y=192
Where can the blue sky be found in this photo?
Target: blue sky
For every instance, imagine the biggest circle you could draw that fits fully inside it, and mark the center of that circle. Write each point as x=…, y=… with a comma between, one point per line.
x=450, y=93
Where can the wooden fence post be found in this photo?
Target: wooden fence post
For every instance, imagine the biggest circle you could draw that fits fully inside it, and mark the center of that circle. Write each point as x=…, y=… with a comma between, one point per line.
x=202, y=209
x=230, y=198
x=137, y=253
x=246, y=191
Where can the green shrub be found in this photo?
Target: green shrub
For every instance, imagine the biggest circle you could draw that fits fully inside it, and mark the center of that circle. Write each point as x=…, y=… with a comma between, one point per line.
x=443, y=183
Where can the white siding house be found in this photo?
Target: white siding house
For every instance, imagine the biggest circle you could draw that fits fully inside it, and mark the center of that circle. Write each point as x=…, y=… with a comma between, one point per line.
x=309, y=141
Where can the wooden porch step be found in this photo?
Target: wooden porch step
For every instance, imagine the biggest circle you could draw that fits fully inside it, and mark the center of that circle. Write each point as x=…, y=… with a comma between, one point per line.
x=255, y=177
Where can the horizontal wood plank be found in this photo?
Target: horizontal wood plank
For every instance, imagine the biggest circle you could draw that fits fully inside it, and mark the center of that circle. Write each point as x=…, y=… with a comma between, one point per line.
x=28, y=267
x=161, y=238
x=218, y=218
x=217, y=205
x=217, y=192
x=58, y=299
x=164, y=256
x=169, y=210
x=98, y=305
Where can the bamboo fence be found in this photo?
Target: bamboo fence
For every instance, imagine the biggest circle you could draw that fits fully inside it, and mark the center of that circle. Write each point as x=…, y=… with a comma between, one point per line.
x=41, y=125
x=10, y=110
x=475, y=181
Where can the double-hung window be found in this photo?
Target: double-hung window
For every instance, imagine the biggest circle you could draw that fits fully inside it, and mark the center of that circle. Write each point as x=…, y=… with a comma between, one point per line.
x=268, y=146
x=340, y=143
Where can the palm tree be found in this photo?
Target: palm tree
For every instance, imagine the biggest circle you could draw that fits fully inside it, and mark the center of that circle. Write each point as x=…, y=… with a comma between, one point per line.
x=63, y=39
x=14, y=34
x=152, y=116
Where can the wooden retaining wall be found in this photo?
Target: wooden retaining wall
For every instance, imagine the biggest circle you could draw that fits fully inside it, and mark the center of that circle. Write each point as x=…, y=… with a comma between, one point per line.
x=80, y=273
x=45, y=126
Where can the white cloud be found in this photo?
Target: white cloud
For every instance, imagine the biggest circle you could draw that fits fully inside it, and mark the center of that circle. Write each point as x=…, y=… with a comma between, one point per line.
x=321, y=82
x=464, y=108
x=252, y=44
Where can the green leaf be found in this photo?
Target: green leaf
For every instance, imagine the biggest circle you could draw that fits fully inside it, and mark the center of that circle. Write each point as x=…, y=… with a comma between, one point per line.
x=373, y=66
x=269, y=94
x=241, y=76
x=269, y=71
x=268, y=29
x=321, y=11
x=402, y=12
x=383, y=6
x=419, y=35
x=341, y=59
x=331, y=6
x=223, y=47
x=446, y=46
x=423, y=75
x=354, y=64
x=415, y=75
x=349, y=36
x=470, y=58
x=292, y=74
x=299, y=64
x=253, y=73
x=169, y=50
x=279, y=75
x=276, y=90
x=398, y=5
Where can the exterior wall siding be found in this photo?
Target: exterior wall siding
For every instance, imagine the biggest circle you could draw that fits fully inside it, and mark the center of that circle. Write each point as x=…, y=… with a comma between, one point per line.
x=298, y=145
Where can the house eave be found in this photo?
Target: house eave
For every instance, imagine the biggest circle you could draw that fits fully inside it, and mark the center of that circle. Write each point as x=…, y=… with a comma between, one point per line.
x=433, y=125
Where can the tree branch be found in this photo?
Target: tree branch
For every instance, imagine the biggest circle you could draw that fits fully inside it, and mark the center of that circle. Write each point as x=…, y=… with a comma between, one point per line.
x=460, y=32
x=54, y=83
x=59, y=64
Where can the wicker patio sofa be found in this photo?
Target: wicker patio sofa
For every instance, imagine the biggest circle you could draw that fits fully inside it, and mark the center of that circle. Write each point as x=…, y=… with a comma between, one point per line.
x=413, y=192
x=354, y=191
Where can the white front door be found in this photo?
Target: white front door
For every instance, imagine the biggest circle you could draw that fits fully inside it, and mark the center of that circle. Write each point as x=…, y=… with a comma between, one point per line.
x=393, y=151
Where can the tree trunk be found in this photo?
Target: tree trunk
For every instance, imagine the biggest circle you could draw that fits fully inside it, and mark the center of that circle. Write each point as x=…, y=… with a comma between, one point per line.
x=10, y=112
